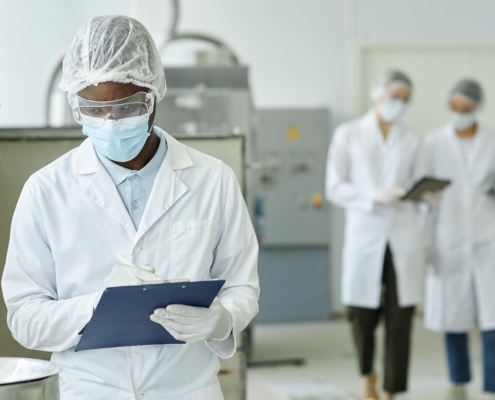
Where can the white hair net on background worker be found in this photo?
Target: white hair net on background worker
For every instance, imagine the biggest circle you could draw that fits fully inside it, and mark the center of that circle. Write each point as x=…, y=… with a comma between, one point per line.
x=391, y=91
x=113, y=48
x=469, y=89
x=383, y=82
x=465, y=100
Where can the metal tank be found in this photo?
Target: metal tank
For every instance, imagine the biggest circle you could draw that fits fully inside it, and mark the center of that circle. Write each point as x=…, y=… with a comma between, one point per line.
x=28, y=379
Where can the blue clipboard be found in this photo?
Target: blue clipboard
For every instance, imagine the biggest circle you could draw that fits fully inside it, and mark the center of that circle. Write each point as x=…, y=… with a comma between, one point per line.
x=122, y=317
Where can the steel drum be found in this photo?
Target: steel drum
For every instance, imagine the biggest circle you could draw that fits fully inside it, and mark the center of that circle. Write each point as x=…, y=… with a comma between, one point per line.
x=28, y=379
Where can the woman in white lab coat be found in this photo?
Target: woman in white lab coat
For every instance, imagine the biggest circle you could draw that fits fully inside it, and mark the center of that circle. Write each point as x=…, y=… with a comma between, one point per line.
x=372, y=161
x=130, y=189
x=460, y=286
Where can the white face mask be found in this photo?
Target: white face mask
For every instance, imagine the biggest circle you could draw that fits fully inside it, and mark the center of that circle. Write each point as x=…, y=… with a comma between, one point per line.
x=391, y=109
x=462, y=121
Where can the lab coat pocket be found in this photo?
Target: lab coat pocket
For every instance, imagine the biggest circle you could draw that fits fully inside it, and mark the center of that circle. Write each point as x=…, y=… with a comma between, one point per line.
x=192, y=244
x=210, y=393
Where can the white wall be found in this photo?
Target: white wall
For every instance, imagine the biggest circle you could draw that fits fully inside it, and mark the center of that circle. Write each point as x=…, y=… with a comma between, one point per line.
x=33, y=35
x=430, y=19
x=295, y=49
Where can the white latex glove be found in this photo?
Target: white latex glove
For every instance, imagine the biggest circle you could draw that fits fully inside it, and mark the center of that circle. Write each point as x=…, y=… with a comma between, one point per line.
x=388, y=196
x=127, y=274
x=195, y=324
x=433, y=199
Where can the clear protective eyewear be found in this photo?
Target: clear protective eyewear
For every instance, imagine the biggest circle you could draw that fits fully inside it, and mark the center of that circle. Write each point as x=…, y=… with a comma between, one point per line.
x=95, y=113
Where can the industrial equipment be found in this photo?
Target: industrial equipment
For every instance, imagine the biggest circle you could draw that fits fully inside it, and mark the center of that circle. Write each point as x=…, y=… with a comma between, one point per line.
x=24, y=378
x=291, y=216
x=211, y=102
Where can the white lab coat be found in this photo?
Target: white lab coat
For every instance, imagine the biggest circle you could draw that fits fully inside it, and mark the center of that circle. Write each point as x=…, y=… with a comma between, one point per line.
x=460, y=287
x=68, y=228
x=360, y=161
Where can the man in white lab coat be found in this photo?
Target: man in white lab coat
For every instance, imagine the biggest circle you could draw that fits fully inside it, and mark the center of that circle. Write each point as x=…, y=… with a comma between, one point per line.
x=460, y=285
x=371, y=163
x=131, y=190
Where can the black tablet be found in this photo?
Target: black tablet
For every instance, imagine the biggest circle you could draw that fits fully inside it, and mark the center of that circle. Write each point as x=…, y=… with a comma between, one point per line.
x=425, y=185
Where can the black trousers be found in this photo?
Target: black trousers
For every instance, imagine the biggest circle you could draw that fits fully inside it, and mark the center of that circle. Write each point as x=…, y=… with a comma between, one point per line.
x=398, y=324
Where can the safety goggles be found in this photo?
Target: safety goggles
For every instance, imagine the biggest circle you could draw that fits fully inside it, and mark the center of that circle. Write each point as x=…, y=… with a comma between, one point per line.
x=95, y=113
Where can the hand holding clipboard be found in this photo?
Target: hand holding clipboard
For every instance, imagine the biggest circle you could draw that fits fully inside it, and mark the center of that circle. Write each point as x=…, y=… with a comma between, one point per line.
x=122, y=317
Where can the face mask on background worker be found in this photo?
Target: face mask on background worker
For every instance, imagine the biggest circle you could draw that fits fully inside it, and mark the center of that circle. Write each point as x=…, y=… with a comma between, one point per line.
x=465, y=99
x=391, y=92
x=118, y=129
x=462, y=121
x=392, y=109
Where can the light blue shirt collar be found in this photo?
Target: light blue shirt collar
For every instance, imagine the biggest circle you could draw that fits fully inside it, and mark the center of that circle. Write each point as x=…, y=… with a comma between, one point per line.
x=148, y=172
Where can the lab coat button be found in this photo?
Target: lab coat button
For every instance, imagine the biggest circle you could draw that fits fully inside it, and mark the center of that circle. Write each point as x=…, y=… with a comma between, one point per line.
x=139, y=395
x=135, y=204
x=135, y=348
x=132, y=177
x=137, y=248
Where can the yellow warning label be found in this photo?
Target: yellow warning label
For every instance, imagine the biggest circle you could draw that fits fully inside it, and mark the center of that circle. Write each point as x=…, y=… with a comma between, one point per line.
x=317, y=200
x=293, y=133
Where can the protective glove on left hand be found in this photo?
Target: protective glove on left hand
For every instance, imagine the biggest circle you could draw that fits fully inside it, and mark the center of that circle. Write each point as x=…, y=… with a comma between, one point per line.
x=433, y=199
x=388, y=196
x=127, y=274
x=195, y=324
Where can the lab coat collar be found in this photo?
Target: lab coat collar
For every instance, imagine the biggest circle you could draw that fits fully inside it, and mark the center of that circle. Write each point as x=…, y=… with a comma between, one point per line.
x=86, y=160
x=150, y=170
x=168, y=187
x=479, y=140
x=371, y=122
x=177, y=153
x=167, y=190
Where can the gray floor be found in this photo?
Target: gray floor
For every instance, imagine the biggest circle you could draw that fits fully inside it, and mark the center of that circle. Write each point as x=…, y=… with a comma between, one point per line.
x=331, y=373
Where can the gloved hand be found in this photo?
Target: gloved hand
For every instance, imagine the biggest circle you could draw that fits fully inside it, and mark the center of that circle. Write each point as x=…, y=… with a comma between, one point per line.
x=195, y=324
x=127, y=274
x=388, y=196
x=433, y=199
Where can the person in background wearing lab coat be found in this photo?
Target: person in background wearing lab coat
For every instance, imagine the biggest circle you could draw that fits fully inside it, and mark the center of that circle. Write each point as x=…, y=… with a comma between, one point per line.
x=132, y=190
x=371, y=162
x=460, y=284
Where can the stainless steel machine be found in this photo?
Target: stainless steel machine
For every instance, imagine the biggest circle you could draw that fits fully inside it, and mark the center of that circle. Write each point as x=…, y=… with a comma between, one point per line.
x=28, y=379
x=291, y=214
x=211, y=102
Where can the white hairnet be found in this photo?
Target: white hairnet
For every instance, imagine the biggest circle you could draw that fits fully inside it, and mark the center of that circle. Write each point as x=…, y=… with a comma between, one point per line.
x=113, y=48
x=470, y=89
x=383, y=81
